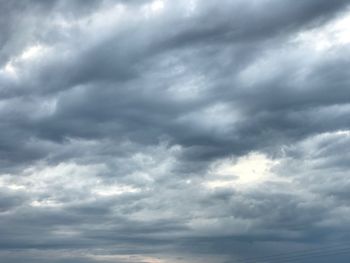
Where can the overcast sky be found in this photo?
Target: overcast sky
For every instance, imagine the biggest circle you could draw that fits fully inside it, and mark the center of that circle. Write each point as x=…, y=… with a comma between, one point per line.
x=174, y=131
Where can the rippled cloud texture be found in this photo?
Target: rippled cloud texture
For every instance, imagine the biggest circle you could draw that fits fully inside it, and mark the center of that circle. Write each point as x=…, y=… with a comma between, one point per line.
x=174, y=131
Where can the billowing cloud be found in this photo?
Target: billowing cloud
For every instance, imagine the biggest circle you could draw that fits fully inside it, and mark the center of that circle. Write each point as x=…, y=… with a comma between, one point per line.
x=174, y=131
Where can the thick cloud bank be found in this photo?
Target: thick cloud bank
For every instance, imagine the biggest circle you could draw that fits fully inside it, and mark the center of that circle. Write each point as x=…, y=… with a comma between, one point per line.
x=174, y=131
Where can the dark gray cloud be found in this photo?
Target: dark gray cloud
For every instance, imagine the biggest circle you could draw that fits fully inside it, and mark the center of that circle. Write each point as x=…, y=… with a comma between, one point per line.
x=174, y=131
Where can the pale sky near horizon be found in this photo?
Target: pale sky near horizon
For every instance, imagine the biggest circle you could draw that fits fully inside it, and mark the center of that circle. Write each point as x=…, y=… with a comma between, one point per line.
x=174, y=131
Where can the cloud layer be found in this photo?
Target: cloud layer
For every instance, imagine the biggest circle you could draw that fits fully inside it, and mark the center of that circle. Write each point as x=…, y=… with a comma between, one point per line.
x=174, y=131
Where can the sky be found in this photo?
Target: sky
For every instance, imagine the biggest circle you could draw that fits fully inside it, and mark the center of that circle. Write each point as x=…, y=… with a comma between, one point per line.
x=174, y=131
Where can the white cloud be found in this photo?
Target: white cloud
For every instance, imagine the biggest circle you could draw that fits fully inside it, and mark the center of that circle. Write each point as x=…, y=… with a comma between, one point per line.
x=250, y=169
x=334, y=34
x=32, y=52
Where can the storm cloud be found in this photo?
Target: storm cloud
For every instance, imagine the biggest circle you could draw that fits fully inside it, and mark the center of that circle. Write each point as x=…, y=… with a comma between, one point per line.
x=174, y=131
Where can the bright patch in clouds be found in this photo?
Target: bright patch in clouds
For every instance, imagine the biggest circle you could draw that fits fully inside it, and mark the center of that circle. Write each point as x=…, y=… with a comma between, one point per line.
x=9, y=69
x=45, y=203
x=32, y=52
x=157, y=6
x=250, y=169
x=153, y=8
x=12, y=67
x=335, y=33
x=115, y=190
